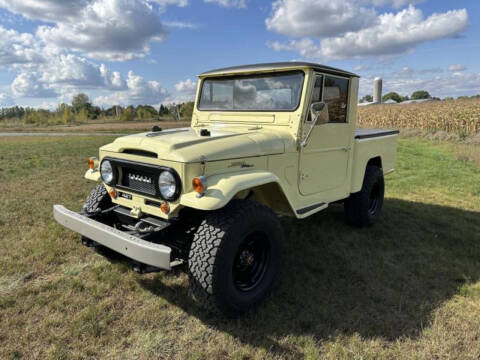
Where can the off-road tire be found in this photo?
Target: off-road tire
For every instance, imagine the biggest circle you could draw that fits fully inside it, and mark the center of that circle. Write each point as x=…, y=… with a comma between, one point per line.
x=215, y=251
x=364, y=207
x=97, y=201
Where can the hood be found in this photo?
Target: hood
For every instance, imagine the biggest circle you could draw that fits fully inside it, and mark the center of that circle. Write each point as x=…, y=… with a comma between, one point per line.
x=187, y=145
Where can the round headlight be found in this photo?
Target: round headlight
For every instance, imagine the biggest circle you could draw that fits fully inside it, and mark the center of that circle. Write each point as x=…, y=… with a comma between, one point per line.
x=106, y=171
x=167, y=185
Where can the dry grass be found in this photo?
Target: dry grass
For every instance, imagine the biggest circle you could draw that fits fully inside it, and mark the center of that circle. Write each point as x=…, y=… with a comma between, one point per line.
x=99, y=126
x=406, y=288
x=456, y=116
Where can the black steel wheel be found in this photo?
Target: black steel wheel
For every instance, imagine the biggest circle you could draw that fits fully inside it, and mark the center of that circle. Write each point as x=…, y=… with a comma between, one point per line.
x=235, y=257
x=251, y=261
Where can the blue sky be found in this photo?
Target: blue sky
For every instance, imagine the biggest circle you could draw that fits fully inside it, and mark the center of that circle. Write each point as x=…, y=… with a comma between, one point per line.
x=150, y=51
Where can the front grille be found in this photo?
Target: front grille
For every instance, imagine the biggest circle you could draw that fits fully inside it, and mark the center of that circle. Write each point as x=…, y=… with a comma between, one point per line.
x=141, y=178
x=138, y=180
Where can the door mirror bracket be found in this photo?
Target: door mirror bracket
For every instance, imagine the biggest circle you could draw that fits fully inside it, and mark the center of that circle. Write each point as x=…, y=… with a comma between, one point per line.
x=317, y=110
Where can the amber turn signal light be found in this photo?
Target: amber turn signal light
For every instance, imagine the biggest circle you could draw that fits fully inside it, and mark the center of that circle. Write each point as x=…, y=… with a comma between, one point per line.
x=165, y=208
x=199, y=184
x=113, y=193
x=92, y=163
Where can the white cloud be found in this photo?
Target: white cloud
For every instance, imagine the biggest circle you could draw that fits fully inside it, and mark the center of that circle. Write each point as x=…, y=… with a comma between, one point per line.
x=48, y=63
x=305, y=47
x=396, y=34
x=6, y=100
x=164, y=3
x=187, y=86
x=103, y=29
x=73, y=71
x=138, y=91
x=180, y=25
x=319, y=18
x=46, y=10
x=18, y=48
x=28, y=85
x=184, y=92
x=388, y=34
x=404, y=72
x=229, y=3
x=65, y=73
x=108, y=29
x=394, y=3
x=439, y=85
x=457, y=68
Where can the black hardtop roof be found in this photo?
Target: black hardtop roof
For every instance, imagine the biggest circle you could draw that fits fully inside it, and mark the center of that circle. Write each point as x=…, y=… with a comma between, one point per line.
x=279, y=65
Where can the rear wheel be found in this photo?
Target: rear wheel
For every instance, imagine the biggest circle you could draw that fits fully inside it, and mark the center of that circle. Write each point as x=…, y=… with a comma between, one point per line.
x=235, y=257
x=364, y=207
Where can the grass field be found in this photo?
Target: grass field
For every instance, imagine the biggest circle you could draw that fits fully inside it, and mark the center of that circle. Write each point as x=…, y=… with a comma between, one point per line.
x=407, y=288
x=97, y=126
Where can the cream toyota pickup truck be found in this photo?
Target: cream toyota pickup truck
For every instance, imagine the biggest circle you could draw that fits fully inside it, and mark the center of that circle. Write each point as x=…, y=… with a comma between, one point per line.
x=265, y=140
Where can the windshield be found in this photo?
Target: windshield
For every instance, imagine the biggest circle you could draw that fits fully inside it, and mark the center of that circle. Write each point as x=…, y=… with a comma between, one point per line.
x=278, y=92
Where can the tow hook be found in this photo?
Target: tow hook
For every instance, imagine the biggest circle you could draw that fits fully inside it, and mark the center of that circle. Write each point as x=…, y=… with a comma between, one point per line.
x=144, y=269
x=145, y=229
x=87, y=242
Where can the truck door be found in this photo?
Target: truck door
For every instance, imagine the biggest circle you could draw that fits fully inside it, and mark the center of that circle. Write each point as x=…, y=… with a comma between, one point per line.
x=324, y=160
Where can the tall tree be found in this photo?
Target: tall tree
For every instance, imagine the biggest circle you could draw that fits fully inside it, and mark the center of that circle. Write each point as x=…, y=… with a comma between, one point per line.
x=392, y=95
x=366, y=98
x=420, y=94
x=81, y=101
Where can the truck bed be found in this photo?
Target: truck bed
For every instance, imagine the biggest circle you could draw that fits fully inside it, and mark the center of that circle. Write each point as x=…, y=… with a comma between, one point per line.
x=371, y=144
x=372, y=133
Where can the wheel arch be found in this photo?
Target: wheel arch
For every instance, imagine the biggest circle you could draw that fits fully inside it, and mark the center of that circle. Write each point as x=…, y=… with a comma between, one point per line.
x=359, y=171
x=375, y=161
x=271, y=195
x=262, y=186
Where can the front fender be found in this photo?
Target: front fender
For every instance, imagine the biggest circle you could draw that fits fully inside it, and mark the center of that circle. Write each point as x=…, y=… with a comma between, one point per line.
x=222, y=188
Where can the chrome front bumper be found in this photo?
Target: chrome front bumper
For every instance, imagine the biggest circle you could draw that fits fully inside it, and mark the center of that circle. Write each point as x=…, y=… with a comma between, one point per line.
x=131, y=246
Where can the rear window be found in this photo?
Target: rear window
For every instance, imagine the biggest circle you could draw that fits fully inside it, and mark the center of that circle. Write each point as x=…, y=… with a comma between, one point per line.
x=335, y=94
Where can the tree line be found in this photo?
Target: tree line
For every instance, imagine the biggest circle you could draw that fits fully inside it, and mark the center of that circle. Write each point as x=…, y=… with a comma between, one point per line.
x=82, y=110
x=417, y=95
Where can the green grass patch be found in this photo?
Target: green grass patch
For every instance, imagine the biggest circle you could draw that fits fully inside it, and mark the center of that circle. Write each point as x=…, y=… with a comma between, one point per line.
x=405, y=288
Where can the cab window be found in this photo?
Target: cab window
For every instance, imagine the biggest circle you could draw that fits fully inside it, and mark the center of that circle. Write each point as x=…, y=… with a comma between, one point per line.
x=335, y=95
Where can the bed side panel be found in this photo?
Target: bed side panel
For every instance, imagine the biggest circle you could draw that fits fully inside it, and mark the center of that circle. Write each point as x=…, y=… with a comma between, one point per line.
x=384, y=147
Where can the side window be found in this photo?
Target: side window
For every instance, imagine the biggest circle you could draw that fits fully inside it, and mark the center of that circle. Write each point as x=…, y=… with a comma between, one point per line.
x=336, y=97
x=317, y=94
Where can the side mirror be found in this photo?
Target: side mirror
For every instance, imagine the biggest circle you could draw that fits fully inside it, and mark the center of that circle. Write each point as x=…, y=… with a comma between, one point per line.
x=318, y=111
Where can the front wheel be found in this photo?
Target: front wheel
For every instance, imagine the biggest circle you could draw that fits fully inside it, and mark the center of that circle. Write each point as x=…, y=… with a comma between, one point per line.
x=364, y=207
x=97, y=201
x=235, y=257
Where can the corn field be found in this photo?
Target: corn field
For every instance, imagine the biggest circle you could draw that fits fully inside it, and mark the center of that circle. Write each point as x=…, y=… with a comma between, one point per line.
x=455, y=116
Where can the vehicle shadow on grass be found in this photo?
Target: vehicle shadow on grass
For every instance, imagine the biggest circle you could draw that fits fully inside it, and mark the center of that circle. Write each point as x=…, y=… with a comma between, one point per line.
x=384, y=281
